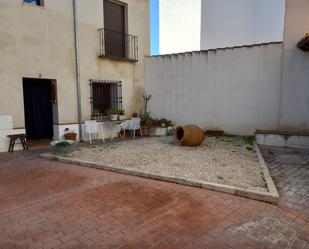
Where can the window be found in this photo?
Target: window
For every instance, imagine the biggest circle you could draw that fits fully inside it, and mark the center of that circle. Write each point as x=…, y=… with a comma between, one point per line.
x=105, y=95
x=35, y=2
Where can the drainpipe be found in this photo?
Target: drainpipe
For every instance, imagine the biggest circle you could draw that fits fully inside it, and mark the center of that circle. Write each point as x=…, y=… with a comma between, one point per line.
x=77, y=70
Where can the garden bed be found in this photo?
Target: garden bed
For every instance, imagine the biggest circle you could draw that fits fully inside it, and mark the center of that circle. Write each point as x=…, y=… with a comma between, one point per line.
x=223, y=160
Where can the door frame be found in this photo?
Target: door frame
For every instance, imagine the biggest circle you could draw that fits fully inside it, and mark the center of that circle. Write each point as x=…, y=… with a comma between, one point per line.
x=54, y=99
x=125, y=5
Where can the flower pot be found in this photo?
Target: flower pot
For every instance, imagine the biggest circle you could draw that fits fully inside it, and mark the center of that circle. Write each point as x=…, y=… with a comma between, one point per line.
x=189, y=135
x=63, y=149
x=121, y=117
x=70, y=136
x=157, y=131
x=114, y=117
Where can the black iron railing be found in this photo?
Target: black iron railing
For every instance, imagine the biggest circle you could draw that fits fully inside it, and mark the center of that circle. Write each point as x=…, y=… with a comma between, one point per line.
x=117, y=45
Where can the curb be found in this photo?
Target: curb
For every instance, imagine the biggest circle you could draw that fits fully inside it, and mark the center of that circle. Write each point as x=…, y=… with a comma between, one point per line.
x=270, y=197
x=267, y=176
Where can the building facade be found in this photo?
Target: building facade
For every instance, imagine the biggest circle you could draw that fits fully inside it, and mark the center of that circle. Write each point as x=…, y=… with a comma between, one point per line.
x=208, y=24
x=38, y=73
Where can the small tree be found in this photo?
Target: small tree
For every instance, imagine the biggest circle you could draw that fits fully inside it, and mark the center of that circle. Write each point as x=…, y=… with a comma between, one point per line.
x=146, y=98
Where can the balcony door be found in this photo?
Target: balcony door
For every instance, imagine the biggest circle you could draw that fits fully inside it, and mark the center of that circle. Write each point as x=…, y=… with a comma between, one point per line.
x=114, y=29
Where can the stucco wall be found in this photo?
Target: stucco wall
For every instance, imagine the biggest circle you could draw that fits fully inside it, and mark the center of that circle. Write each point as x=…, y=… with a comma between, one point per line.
x=180, y=25
x=227, y=23
x=39, y=42
x=237, y=90
x=295, y=78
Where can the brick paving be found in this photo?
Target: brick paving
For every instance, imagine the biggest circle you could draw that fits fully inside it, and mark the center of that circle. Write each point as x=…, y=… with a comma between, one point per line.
x=290, y=171
x=47, y=204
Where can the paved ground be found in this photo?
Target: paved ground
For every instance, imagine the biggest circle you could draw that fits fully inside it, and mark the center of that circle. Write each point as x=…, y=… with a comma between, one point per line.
x=46, y=204
x=290, y=171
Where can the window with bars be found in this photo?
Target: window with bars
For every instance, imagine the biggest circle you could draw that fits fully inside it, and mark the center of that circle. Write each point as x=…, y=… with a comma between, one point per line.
x=105, y=95
x=35, y=2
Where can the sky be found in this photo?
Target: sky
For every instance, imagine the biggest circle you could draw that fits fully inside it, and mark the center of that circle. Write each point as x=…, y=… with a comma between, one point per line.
x=154, y=26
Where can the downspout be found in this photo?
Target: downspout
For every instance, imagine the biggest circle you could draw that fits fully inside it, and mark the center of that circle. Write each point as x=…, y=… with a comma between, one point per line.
x=77, y=70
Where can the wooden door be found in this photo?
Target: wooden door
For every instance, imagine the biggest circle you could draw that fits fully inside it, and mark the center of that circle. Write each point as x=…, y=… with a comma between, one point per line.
x=114, y=29
x=38, y=108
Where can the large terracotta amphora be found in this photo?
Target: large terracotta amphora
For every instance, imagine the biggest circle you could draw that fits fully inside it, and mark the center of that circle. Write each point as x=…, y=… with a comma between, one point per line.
x=189, y=135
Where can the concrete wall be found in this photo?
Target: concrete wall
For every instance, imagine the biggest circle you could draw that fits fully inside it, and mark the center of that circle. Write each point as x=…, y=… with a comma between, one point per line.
x=38, y=42
x=227, y=23
x=237, y=90
x=295, y=78
x=269, y=20
x=179, y=25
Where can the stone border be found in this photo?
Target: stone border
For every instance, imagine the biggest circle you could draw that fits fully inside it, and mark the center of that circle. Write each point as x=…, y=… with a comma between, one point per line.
x=267, y=176
x=271, y=197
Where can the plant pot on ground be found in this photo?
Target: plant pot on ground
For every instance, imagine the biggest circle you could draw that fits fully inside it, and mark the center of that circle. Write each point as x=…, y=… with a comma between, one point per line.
x=69, y=135
x=63, y=146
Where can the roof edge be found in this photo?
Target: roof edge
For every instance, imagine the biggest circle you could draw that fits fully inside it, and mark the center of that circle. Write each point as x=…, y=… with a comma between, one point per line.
x=218, y=49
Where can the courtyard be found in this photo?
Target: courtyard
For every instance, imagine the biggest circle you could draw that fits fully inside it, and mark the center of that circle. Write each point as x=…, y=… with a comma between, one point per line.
x=229, y=160
x=49, y=204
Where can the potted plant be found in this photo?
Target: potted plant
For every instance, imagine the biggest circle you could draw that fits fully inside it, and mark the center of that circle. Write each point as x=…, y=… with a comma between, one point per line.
x=69, y=135
x=63, y=146
x=122, y=114
x=146, y=123
x=114, y=114
x=169, y=123
x=163, y=122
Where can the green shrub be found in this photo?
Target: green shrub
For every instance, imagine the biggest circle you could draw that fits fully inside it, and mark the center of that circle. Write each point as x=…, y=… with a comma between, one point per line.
x=163, y=121
x=63, y=144
x=117, y=112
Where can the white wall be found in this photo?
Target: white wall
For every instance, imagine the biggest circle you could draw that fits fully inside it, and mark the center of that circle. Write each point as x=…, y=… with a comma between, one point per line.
x=295, y=78
x=237, y=90
x=227, y=23
x=179, y=25
x=269, y=20
x=205, y=24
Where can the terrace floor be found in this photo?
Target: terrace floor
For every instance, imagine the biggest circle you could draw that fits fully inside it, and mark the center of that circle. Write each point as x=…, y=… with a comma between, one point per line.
x=46, y=204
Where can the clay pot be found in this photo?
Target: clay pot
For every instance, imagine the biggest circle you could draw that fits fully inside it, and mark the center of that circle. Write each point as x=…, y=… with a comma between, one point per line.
x=70, y=136
x=189, y=135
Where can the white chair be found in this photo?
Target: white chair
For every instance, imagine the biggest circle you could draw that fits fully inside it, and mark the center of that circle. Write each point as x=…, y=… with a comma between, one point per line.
x=123, y=127
x=115, y=130
x=92, y=127
x=135, y=124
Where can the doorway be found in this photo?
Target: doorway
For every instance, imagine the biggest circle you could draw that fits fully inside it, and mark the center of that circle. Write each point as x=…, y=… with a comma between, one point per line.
x=114, y=29
x=38, y=108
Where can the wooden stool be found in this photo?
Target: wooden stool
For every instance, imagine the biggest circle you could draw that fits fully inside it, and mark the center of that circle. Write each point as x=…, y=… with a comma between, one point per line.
x=13, y=138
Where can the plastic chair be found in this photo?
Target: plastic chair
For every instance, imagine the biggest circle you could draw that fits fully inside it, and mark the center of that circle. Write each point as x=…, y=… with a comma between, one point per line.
x=116, y=129
x=135, y=124
x=123, y=127
x=92, y=127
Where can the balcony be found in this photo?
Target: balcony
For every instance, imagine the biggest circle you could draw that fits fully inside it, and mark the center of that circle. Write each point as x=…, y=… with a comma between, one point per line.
x=118, y=46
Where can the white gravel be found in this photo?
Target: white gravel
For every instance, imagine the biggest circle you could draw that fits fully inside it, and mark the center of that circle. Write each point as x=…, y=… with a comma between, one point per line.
x=225, y=160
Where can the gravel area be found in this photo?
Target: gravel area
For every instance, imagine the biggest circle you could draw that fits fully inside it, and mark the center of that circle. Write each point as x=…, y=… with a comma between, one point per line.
x=224, y=160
